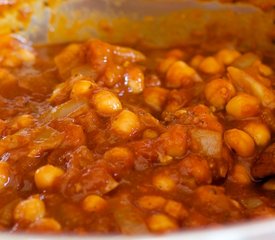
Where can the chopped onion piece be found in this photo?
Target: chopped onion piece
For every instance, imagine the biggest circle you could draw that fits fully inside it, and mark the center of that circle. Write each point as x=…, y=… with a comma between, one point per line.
x=246, y=60
x=45, y=138
x=71, y=108
x=128, y=217
x=128, y=54
x=250, y=85
x=208, y=142
x=16, y=140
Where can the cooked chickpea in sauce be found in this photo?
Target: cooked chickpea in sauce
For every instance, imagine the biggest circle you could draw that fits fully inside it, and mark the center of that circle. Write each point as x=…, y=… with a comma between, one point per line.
x=99, y=139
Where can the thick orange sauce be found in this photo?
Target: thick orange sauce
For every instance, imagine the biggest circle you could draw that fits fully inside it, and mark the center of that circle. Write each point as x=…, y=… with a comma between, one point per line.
x=136, y=142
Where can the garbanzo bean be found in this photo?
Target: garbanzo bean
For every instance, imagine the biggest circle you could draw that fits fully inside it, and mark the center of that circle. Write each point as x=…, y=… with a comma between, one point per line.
x=46, y=175
x=240, y=142
x=196, y=61
x=29, y=210
x=180, y=74
x=165, y=64
x=210, y=65
x=227, y=56
x=133, y=148
x=155, y=97
x=45, y=225
x=161, y=223
x=125, y=124
x=265, y=70
x=80, y=88
x=149, y=133
x=94, y=203
x=134, y=79
x=119, y=159
x=164, y=183
x=175, y=209
x=118, y=152
x=259, y=132
x=4, y=174
x=243, y=106
x=218, y=92
x=151, y=202
x=106, y=103
x=240, y=175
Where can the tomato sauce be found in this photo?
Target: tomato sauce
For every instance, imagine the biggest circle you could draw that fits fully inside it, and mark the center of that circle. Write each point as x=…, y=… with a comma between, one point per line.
x=97, y=138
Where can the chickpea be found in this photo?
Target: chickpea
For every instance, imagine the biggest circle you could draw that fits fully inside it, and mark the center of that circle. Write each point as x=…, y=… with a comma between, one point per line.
x=259, y=132
x=196, y=61
x=164, y=159
x=29, y=210
x=175, y=209
x=161, y=223
x=155, y=97
x=80, y=88
x=118, y=152
x=46, y=175
x=180, y=74
x=210, y=65
x=265, y=70
x=150, y=134
x=269, y=185
x=94, y=203
x=227, y=56
x=164, y=183
x=4, y=174
x=125, y=124
x=243, y=106
x=125, y=54
x=166, y=64
x=240, y=175
x=240, y=142
x=45, y=225
x=119, y=158
x=151, y=202
x=134, y=79
x=106, y=103
x=218, y=92
x=250, y=84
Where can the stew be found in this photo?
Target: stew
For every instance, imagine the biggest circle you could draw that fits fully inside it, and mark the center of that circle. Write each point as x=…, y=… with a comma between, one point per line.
x=97, y=138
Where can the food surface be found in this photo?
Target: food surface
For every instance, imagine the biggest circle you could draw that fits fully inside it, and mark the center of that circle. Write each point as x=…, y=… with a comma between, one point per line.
x=97, y=138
